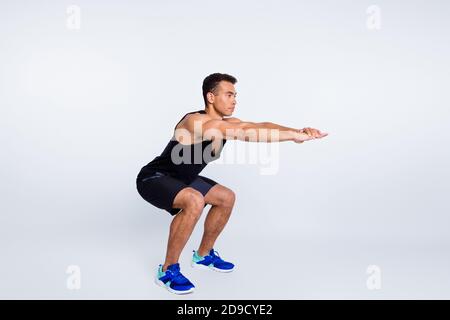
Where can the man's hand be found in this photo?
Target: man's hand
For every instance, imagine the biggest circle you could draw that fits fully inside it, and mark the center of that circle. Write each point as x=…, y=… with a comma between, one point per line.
x=306, y=134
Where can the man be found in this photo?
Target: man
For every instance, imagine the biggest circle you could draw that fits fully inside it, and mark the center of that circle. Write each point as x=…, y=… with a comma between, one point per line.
x=172, y=182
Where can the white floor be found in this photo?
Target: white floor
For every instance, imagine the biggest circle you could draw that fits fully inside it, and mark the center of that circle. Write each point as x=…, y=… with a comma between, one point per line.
x=118, y=261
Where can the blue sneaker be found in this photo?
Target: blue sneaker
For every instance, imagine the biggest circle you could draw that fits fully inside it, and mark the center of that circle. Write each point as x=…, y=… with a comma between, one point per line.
x=173, y=280
x=211, y=261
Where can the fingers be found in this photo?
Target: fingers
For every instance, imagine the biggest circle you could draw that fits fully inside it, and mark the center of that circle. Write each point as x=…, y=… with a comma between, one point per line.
x=313, y=133
x=320, y=134
x=300, y=137
x=308, y=131
x=306, y=137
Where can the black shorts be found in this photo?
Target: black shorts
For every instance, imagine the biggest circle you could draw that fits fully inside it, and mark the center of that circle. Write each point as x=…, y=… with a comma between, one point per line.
x=160, y=189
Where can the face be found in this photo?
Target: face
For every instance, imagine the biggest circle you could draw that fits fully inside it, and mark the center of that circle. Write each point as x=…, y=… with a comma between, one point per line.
x=224, y=98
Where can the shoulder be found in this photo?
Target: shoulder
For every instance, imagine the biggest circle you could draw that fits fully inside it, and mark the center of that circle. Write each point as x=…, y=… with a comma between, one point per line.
x=232, y=119
x=190, y=118
x=223, y=123
x=193, y=119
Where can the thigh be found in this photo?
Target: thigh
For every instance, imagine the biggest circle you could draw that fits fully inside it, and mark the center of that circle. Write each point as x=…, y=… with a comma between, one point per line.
x=219, y=195
x=203, y=184
x=160, y=190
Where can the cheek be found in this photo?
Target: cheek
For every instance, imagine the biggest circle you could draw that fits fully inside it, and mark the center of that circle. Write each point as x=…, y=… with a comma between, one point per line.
x=223, y=100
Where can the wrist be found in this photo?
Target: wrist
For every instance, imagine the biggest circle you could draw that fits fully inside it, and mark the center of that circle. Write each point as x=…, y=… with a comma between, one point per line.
x=293, y=134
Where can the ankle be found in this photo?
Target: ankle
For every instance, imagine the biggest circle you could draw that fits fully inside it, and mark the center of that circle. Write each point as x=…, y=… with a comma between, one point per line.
x=165, y=266
x=202, y=253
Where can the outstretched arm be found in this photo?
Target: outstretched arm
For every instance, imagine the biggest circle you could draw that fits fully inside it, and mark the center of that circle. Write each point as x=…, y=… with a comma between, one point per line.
x=271, y=125
x=233, y=128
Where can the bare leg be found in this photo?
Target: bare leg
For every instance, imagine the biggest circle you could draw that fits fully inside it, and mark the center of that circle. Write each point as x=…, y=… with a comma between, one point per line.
x=180, y=230
x=215, y=221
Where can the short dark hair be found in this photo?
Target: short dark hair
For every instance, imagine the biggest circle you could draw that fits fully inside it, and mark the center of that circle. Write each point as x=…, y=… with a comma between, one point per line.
x=212, y=81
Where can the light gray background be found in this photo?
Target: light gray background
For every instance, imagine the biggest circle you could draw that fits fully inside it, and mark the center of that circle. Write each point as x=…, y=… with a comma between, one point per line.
x=83, y=110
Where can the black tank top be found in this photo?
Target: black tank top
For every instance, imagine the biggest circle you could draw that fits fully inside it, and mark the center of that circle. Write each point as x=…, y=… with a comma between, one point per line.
x=181, y=161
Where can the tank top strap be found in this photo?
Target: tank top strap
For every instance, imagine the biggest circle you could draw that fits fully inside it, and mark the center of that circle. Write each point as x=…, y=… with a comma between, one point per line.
x=199, y=111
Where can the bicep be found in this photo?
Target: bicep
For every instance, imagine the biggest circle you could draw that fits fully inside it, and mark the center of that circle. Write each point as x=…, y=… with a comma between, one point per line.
x=225, y=129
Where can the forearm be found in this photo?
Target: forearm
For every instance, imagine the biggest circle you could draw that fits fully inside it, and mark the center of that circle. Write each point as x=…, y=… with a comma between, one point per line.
x=259, y=132
x=271, y=125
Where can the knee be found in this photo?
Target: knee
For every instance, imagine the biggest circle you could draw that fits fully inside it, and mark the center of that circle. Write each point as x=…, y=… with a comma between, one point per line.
x=194, y=203
x=228, y=199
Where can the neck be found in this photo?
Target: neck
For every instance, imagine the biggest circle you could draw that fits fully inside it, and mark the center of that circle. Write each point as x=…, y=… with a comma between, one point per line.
x=213, y=113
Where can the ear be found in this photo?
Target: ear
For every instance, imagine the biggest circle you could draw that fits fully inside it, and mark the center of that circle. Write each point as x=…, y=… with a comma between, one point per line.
x=210, y=97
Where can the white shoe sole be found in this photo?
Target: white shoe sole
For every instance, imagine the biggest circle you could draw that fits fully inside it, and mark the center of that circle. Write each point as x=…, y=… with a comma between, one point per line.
x=162, y=284
x=203, y=267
